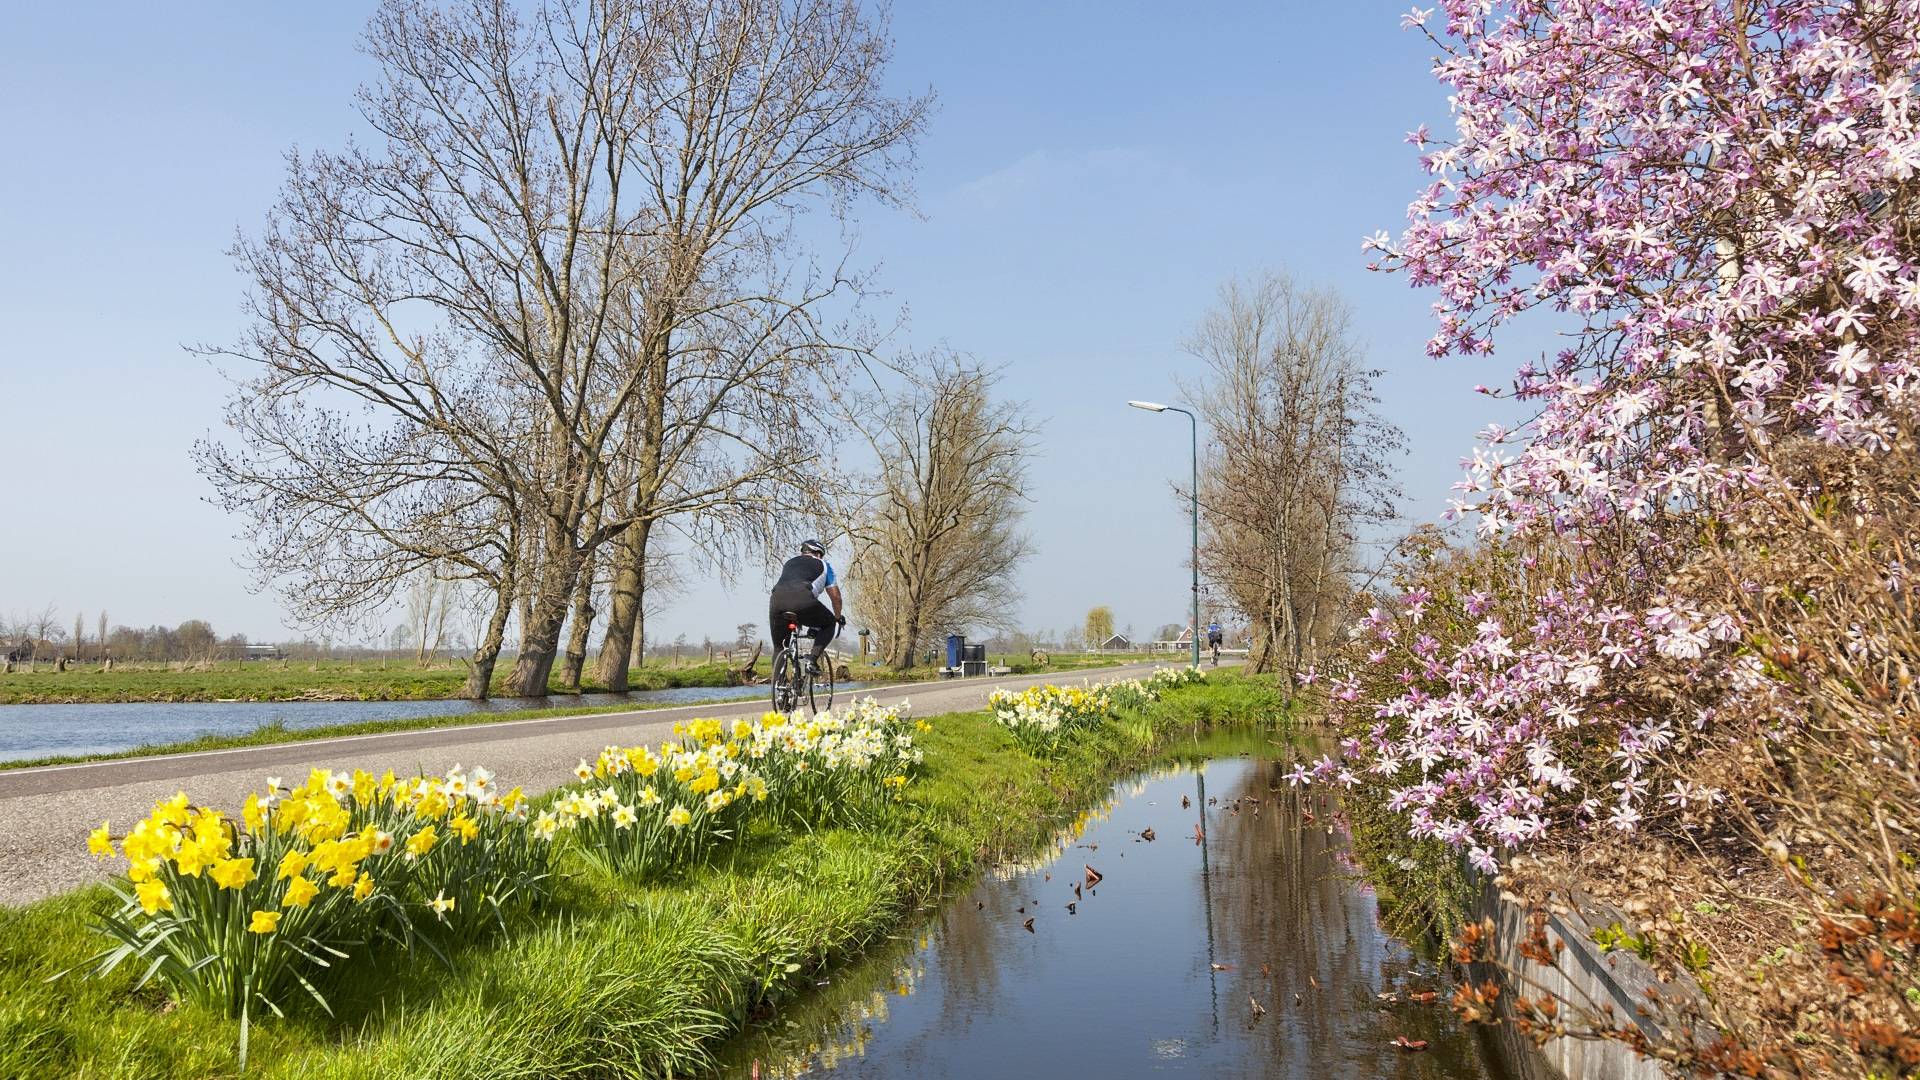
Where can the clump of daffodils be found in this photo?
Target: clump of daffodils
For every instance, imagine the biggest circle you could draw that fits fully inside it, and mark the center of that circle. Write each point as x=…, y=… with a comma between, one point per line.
x=1043, y=717
x=239, y=912
x=637, y=810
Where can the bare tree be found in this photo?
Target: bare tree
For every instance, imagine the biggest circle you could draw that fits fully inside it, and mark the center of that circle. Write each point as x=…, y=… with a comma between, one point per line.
x=100, y=638
x=459, y=345
x=1300, y=463
x=41, y=628
x=937, y=537
x=759, y=108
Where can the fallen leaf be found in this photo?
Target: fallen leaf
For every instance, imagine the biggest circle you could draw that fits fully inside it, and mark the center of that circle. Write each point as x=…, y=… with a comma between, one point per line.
x=1021, y=910
x=1313, y=982
x=1028, y=924
x=1266, y=970
x=1221, y=967
x=1076, y=890
x=1387, y=995
x=1405, y=1043
x=1071, y=905
x=1147, y=834
x=1199, y=834
x=1258, y=1009
x=1093, y=876
x=979, y=905
x=1424, y=997
x=1185, y=802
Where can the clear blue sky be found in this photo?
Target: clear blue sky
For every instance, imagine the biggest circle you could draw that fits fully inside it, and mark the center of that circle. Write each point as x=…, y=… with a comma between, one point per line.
x=1093, y=173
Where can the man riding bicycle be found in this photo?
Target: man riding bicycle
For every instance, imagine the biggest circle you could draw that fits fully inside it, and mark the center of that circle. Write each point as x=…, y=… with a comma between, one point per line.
x=803, y=579
x=1215, y=635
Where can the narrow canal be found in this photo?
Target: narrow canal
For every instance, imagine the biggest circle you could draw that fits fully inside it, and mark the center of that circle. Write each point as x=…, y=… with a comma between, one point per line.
x=33, y=731
x=1254, y=952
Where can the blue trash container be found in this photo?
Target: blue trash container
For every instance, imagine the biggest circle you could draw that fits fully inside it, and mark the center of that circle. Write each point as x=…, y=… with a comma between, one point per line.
x=955, y=642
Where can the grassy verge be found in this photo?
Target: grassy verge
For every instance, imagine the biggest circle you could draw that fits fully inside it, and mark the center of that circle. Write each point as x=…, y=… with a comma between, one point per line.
x=613, y=978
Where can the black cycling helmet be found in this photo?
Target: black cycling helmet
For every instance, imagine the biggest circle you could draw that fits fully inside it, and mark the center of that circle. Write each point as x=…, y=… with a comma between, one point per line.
x=812, y=547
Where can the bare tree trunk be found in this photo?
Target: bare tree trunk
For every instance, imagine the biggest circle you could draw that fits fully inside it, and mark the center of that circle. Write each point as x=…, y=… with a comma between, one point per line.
x=487, y=652
x=546, y=614
x=583, y=615
x=627, y=617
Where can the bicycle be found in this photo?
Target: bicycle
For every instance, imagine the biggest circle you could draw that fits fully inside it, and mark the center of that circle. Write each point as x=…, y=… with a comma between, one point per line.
x=1214, y=644
x=794, y=676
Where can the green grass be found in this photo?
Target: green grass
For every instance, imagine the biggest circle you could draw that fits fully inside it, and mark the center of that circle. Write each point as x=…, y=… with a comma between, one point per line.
x=273, y=680
x=611, y=978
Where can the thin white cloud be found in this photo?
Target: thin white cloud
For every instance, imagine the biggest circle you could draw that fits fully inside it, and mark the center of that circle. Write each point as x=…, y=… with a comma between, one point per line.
x=1044, y=174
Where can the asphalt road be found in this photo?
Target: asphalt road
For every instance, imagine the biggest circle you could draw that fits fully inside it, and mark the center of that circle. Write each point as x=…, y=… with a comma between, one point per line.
x=49, y=811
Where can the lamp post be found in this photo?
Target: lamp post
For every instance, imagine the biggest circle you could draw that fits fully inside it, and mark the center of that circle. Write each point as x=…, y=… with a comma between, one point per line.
x=1154, y=406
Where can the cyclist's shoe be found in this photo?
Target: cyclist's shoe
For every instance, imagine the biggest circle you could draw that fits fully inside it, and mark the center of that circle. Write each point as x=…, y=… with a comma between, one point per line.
x=813, y=666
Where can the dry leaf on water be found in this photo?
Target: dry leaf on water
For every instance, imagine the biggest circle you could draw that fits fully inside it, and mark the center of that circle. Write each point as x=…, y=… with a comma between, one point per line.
x=1093, y=876
x=1199, y=834
x=1028, y=924
x=1147, y=834
x=1258, y=1009
x=1185, y=802
x=1424, y=997
x=1071, y=906
x=1221, y=967
x=1405, y=1043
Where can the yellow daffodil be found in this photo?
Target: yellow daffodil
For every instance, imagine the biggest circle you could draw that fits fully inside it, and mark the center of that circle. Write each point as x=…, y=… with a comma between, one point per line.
x=649, y=797
x=464, y=827
x=363, y=788
x=190, y=859
x=678, y=817
x=154, y=896
x=100, y=842
x=292, y=864
x=441, y=903
x=363, y=887
x=254, y=812
x=300, y=892
x=232, y=873
x=264, y=922
x=345, y=876
x=422, y=842
x=173, y=811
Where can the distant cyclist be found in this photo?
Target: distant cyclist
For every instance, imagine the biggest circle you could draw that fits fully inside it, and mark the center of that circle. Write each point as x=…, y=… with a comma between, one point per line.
x=803, y=579
x=1215, y=636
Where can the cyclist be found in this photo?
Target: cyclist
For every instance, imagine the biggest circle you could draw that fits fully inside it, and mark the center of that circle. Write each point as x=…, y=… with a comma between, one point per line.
x=1215, y=635
x=803, y=579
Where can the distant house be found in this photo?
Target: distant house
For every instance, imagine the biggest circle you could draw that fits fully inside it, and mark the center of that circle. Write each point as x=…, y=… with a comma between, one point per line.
x=1116, y=643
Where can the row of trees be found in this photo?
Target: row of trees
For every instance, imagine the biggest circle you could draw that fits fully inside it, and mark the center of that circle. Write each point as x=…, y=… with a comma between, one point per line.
x=44, y=635
x=558, y=316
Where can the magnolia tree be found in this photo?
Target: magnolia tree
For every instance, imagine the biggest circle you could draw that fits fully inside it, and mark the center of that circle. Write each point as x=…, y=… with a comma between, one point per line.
x=1716, y=200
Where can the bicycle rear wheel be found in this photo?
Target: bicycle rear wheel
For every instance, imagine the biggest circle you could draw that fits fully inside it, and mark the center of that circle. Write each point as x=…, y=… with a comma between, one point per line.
x=785, y=671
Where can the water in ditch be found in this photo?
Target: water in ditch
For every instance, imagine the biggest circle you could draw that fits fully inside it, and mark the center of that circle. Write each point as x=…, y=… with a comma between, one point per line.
x=1256, y=952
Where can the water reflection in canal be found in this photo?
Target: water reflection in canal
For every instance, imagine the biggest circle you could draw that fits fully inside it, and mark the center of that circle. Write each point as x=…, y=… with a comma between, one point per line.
x=1156, y=970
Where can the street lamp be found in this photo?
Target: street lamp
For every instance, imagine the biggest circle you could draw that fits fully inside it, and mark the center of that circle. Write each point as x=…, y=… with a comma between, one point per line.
x=1154, y=406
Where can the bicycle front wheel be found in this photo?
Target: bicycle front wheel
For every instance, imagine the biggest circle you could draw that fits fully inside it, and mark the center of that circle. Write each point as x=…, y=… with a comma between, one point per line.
x=820, y=687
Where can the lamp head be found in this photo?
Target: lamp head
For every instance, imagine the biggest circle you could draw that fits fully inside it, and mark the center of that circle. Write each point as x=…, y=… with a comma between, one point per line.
x=1150, y=406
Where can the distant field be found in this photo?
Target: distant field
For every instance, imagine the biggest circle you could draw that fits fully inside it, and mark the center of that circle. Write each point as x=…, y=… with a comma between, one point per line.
x=364, y=680
x=274, y=680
